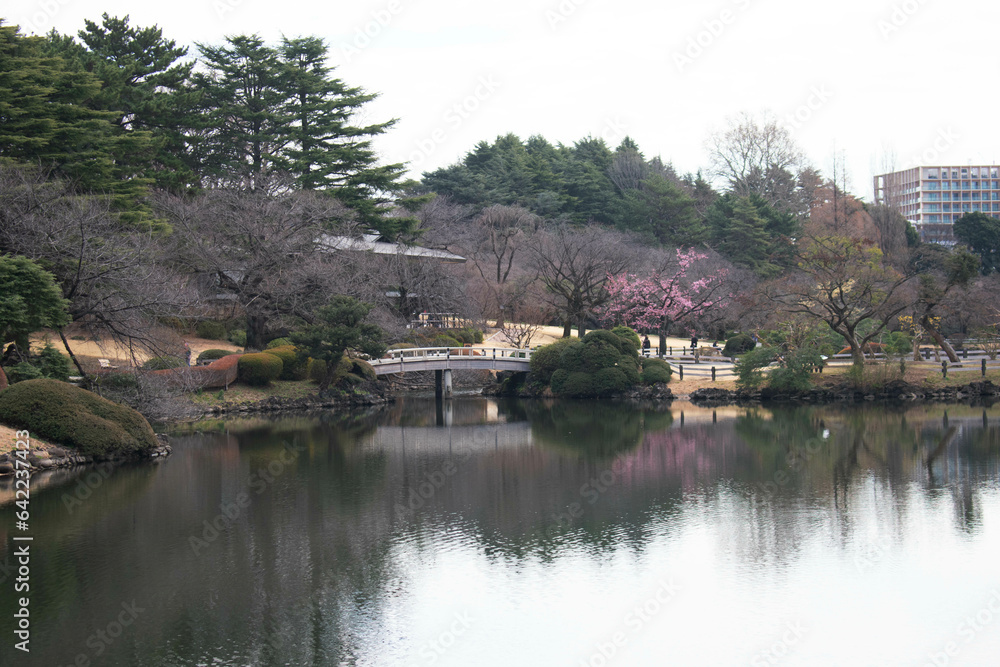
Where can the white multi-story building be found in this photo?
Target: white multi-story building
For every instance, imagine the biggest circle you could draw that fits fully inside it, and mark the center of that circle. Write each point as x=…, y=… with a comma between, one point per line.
x=933, y=198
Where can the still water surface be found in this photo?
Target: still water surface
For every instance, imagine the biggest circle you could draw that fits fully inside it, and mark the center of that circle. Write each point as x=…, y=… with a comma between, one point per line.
x=530, y=533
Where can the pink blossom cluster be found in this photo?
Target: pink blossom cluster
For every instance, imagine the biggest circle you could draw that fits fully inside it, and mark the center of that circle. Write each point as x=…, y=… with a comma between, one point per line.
x=657, y=301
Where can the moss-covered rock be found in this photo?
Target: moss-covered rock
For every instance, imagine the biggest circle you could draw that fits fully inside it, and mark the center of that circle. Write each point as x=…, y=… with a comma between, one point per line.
x=71, y=416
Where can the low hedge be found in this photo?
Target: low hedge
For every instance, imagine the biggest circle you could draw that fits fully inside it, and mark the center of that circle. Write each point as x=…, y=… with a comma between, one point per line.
x=77, y=418
x=212, y=355
x=278, y=342
x=259, y=368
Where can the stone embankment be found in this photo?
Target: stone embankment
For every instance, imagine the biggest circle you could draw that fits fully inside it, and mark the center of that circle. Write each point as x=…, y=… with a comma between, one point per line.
x=324, y=401
x=51, y=457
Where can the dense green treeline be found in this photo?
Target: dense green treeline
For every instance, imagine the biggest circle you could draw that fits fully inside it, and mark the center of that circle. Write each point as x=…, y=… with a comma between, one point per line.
x=621, y=188
x=122, y=111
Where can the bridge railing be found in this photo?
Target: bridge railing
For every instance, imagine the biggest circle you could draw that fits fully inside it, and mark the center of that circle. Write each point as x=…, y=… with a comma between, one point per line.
x=438, y=353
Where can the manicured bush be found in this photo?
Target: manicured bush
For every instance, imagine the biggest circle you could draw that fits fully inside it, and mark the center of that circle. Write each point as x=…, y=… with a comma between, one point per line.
x=599, y=364
x=259, y=369
x=545, y=360
x=610, y=381
x=211, y=330
x=655, y=370
x=163, y=363
x=238, y=337
x=23, y=372
x=278, y=342
x=739, y=344
x=212, y=355
x=71, y=416
x=628, y=335
x=294, y=362
x=53, y=364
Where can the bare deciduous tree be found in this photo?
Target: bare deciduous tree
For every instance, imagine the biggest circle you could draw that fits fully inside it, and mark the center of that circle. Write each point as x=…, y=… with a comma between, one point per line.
x=749, y=148
x=574, y=264
x=116, y=277
x=264, y=251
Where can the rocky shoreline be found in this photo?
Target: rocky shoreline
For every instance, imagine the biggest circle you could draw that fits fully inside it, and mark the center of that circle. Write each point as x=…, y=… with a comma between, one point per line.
x=54, y=457
x=315, y=402
x=894, y=392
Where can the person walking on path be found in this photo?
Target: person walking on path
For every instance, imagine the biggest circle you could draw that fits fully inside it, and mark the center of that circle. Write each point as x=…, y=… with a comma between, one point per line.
x=645, y=346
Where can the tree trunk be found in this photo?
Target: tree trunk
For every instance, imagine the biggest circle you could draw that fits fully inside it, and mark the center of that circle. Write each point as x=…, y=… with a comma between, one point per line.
x=581, y=328
x=663, y=344
x=331, y=373
x=72, y=356
x=256, y=332
x=567, y=328
x=939, y=339
x=857, y=354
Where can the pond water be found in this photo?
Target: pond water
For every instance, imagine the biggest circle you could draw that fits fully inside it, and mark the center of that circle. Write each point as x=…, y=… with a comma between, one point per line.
x=484, y=532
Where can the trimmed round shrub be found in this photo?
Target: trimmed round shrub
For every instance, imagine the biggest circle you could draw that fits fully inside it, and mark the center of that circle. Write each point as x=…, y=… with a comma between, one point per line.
x=211, y=330
x=259, y=369
x=294, y=363
x=739, y=344
x=163, y=363
x=576, y=385
x=630, y=368
x=655, y=370
x=545, y=360
x=610, y=381
x=212, y=355
x=23, y=372
x=278, y=342
x=71, y=416
x=628, y=335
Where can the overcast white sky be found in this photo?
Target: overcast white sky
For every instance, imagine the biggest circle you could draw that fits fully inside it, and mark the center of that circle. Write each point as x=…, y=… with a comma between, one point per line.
x=866, y=78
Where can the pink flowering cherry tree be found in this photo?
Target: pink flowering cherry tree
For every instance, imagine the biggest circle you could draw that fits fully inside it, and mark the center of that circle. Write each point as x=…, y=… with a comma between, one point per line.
x=665, y=298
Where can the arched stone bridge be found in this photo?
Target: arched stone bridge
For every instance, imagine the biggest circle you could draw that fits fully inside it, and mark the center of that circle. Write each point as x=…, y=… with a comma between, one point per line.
x=444, y=360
